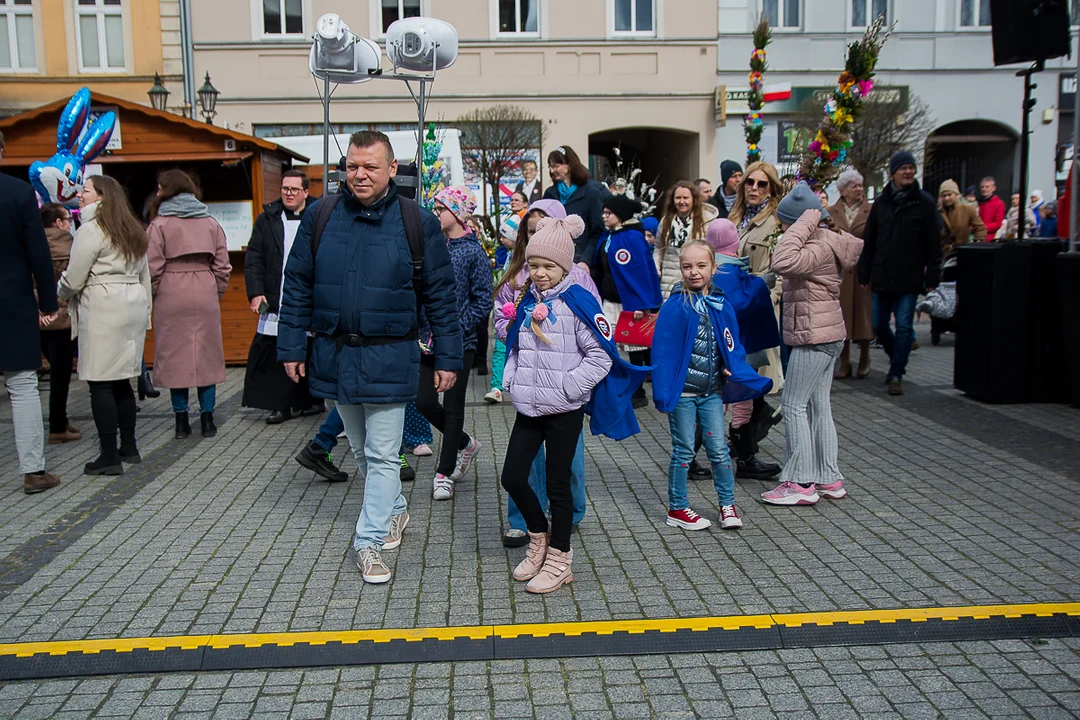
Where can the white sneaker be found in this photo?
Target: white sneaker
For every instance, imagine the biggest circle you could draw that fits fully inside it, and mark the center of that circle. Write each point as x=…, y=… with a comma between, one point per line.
x=397, y=527
x=494, y=396
x=443, y=488
x=372, y=567
x=465, y=458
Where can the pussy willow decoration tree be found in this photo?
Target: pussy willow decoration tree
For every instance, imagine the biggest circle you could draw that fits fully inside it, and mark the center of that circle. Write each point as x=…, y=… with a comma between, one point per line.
x=828, y=151
x=434, y=174
x=754, y=125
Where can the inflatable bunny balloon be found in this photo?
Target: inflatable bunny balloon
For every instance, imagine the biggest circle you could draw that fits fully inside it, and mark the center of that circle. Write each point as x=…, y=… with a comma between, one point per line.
x=78, y=141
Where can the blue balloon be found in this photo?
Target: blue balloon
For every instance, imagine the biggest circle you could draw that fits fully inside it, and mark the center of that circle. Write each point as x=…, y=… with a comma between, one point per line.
x=78, y=142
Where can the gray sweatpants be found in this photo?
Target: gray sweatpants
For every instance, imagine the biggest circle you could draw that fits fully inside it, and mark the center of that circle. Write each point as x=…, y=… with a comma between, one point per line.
x=22, y=387
x=808, y=423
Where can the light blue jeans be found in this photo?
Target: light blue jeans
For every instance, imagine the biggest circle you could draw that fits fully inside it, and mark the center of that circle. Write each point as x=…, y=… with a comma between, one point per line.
x=538, y=482
x=22, y=386
x=374, y=432
x=708, y=410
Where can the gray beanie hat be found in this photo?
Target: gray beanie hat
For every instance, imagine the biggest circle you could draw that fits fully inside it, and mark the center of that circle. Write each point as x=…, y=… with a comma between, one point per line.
x=799, y=200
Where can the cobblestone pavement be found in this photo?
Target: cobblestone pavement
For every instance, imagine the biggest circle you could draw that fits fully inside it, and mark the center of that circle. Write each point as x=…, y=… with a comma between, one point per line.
x=952, y=502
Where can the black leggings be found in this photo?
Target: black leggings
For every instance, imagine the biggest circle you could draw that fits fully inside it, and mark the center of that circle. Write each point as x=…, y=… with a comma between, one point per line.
x=58, y=347
x=112, y=403
x=559, y=435
x=480, y=355
x=449, y=417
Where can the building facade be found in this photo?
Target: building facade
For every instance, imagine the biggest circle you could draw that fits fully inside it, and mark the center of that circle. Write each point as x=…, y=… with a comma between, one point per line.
x=596, y=72
x=940, y=51
x=51, y=48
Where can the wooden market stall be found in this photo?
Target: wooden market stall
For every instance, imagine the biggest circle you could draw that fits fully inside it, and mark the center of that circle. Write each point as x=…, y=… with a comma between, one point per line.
x=238, y=173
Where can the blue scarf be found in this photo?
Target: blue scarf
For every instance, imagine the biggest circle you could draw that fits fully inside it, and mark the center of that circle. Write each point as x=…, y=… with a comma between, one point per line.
x=673, y=342
x=611, y=410
x=632, y=268
x=565, y=191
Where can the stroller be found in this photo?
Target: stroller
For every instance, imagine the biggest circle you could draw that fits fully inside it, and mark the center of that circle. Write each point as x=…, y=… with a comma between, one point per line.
x=940, y=303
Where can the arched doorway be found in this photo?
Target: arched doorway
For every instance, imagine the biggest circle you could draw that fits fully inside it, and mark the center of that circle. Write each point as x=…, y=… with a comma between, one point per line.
x=662, y=153
x=967, y=151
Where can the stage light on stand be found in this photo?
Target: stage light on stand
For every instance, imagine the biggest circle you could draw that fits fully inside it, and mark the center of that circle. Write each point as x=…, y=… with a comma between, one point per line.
x=421, y=44
x=339, y=56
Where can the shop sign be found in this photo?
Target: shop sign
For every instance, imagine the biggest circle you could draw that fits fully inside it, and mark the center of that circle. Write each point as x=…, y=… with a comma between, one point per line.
x=737, y=101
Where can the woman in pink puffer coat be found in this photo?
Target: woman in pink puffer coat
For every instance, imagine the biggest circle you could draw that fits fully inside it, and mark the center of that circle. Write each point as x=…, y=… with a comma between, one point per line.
x=811, y=258
x=552, y=366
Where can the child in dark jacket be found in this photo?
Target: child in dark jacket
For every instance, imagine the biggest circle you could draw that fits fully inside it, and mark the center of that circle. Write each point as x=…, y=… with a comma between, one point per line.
x=472, y=270
x=700, y=365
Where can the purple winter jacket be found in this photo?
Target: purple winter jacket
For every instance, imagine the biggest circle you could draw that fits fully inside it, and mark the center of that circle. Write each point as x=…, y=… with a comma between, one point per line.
x=545, y=379
x=508, y=293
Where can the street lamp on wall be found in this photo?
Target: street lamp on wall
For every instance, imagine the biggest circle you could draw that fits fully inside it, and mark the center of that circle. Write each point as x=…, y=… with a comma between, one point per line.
x=208, y=96
x=159, y=96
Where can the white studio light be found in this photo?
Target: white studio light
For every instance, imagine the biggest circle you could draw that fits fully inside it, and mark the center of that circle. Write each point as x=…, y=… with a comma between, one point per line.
x=421, y=44
x=340, y=56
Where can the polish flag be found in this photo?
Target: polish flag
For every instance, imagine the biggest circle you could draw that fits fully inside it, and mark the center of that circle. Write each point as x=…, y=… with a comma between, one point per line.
x=777, y=91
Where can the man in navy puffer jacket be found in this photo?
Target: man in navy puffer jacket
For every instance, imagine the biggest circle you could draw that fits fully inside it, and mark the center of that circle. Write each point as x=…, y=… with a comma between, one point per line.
x=358, y=300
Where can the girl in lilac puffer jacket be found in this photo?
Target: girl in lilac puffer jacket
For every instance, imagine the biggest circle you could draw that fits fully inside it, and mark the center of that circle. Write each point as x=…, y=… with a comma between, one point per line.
x=552, y=366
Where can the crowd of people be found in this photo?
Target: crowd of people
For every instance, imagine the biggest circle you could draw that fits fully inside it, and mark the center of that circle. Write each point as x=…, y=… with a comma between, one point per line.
x=365, y=299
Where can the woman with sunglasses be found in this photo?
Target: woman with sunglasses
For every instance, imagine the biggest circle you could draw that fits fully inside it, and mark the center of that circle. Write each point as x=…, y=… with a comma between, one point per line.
x=570, y=186
x=754, y=215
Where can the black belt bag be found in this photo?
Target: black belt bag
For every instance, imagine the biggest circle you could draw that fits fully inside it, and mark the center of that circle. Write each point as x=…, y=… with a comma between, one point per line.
x=352, y=340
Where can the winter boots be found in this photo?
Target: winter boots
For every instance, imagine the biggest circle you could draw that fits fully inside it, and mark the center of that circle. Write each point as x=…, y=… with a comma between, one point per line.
x=747, y=466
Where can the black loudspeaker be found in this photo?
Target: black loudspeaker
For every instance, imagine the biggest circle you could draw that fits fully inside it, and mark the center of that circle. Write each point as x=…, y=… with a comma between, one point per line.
x=1029, y=30
x=407, y=181
x=992, y=359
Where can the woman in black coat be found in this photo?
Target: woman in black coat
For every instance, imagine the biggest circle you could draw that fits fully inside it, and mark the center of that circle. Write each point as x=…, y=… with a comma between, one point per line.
x=570, y=185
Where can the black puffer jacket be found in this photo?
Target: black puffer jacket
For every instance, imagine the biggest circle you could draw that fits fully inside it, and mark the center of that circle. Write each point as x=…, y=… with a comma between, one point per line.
x=902, y=242
x=265, y=256
x=705, y=374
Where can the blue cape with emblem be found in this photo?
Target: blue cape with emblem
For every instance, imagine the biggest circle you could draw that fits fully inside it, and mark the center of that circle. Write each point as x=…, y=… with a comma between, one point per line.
x=610, y=409
x=673, y=342
x=750, y=298
x=632, y=268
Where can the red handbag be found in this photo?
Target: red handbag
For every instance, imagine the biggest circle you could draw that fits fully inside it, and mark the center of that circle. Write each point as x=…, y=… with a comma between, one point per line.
x=629, y=331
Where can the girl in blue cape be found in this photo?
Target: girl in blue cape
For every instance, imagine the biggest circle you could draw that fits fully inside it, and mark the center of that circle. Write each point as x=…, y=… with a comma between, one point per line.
x=699, y=365
x=625, y=273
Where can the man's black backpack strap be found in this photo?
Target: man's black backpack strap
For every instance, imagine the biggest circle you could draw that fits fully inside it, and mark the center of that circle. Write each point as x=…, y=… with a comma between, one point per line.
x=410, y=218
x=322, y=216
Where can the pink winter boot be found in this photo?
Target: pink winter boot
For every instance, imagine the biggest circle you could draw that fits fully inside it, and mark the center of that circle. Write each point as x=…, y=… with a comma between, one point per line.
x=534, y=557
x=555, y=573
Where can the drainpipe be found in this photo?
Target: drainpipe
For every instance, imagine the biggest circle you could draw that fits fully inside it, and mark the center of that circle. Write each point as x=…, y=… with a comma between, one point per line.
x=187, y=55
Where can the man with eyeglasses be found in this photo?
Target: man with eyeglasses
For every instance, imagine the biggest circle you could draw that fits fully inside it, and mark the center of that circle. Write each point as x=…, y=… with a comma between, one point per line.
x=24, y=262
x=266, y=386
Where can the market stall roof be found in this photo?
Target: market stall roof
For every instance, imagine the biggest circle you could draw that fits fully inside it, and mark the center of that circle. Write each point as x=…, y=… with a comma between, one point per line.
x=143, y=134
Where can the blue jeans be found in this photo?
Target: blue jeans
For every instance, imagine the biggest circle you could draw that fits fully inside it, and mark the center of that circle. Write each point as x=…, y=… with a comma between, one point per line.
x=708, y=410
x=538, y=482
x=897, y=347
x=207, y=398
x=327, y=436
x=374, y=432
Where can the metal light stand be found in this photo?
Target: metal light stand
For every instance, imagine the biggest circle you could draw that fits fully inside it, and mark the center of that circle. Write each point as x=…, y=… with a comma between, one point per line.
x=1025, y=142
x=420, y=98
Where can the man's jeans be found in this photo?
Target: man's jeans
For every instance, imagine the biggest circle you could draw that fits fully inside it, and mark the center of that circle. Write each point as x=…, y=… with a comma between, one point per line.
x=897, y=347
x=538, y=482
x=22, y=387
x=374, y=432
x=708, y=411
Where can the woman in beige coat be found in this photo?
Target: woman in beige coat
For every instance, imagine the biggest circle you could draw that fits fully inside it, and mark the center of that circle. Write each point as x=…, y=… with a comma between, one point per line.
x=850, y=214
x=685, y=216
x=812, y=260
x=189, y=267
x=107, y=285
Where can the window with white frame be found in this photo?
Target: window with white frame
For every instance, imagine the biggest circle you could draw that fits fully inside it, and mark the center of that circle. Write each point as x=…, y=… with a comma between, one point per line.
x=865, y=12
x=519, y=16
x=635, y=17
x=282, y=17
x=100, y=34
x=975, y=13
x=17, y=35
x=394, y=10
x=782, y=13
